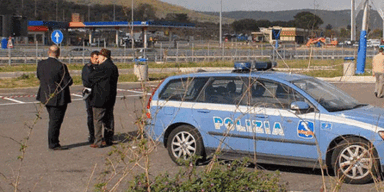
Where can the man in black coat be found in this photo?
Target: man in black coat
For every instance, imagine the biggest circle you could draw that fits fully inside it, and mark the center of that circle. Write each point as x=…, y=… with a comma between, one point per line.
x=87, y=69
x=103, y=97
x=54, y=93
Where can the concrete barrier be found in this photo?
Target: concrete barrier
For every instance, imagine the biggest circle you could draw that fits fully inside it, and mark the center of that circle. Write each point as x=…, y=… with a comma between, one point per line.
x=141, y=71
x=349, y=66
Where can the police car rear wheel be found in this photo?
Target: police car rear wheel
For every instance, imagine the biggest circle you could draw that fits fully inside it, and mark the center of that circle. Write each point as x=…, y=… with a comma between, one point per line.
x=355, y=161
x=183, y=143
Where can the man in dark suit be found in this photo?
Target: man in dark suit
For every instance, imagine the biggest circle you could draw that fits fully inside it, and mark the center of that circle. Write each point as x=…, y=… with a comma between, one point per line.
x=103, y=97
x=87, y=69
x=54, y=93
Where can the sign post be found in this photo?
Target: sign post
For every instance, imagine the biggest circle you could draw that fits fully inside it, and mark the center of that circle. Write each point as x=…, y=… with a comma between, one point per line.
x=57, y=37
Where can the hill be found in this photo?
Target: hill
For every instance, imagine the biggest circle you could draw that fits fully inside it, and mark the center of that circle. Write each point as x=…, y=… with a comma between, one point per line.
x=338, y=19
x=162, y=9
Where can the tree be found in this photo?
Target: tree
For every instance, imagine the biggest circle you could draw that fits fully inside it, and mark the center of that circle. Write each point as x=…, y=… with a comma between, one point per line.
x=349, y=27
x=245, y=25
x=145, y=12
x=329, y=27
x=264, y=23
x=345, y=33
x=307, y=20
x=177, y=17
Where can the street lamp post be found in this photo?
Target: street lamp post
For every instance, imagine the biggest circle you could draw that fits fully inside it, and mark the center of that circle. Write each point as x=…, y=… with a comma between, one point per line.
x=114, y=11
x=132, y=40
x=221, y=35
x=89, y=12
x=57, y=7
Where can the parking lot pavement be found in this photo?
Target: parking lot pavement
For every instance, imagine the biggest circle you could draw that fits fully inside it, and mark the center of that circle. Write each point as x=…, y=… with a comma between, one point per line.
x=28, y=95
x=81, y=167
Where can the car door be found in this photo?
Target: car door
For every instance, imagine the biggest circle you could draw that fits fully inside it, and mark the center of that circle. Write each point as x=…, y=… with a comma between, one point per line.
x=175, y=101
x=280, y=133
x=221, y=115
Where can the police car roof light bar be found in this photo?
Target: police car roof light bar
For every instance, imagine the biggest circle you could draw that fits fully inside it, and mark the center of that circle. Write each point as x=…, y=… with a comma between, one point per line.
x=248, y=66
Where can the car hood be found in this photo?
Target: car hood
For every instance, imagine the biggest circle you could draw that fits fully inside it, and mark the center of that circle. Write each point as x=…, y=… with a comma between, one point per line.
x=367, y=114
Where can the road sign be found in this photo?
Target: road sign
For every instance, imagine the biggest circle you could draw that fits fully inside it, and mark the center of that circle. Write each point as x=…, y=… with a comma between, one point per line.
x=57, y=36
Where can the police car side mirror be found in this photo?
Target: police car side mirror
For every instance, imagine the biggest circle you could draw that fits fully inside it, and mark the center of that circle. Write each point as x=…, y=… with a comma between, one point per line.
x=300, y=106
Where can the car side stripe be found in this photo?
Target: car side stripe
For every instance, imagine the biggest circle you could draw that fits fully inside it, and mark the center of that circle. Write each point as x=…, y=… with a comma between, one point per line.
x=266, y=111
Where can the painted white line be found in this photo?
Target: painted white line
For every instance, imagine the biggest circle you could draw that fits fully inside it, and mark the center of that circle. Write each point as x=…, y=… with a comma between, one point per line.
x=14, y=100
x=76, y=95
x=5, y=104
x=130, y=91
x=135, y=91
x=37, y=102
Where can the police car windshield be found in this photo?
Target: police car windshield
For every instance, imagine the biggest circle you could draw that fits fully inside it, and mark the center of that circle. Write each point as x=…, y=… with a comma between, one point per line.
x=327, y=95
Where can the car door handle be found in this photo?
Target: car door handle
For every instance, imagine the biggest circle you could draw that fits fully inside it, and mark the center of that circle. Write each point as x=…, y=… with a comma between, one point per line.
x=203, y=111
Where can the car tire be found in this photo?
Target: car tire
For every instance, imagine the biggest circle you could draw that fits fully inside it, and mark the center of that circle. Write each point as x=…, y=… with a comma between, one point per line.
x=183, y=143
x=355, y=161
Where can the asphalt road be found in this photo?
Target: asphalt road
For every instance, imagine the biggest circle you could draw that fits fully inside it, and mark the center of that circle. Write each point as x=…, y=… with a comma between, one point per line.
x=81, y=167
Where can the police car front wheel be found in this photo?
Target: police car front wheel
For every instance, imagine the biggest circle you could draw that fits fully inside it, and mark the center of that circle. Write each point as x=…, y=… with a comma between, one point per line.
x=183, y=143
x=355, y=161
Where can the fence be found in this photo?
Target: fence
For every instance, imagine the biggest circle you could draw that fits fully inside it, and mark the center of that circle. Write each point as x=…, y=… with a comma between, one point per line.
x=184, y=52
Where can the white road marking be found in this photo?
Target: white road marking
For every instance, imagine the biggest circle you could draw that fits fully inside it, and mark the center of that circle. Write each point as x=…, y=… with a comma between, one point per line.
x=36, y=102
x=14, y=100
x=76, y=95
x=130, y=91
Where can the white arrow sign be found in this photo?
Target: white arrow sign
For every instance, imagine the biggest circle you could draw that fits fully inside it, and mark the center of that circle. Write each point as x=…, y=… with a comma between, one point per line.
x=57, y=35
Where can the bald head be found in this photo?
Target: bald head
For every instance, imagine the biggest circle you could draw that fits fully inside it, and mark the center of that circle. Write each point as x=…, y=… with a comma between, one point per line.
x=54, y=51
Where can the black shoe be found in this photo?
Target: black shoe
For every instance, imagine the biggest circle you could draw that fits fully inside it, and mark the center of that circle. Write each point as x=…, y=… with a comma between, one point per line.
x=376, y=94
x=106, y=143
x=59, y=148
x=91, y=140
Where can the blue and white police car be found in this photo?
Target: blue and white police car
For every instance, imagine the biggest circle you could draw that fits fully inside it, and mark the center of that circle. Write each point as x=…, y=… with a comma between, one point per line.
x=279, y=118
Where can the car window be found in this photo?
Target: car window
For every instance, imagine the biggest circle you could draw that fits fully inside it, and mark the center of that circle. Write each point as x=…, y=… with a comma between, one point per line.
x=184, y=89
x=224, y=90
x=327, y=95
x=272, y=94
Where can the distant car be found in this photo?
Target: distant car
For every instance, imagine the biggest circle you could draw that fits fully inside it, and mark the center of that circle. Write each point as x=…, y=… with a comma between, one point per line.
x=280, y=118
x=79, y=49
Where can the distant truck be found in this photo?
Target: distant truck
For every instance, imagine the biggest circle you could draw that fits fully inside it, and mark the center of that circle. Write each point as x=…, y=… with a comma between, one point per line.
x=373, y=42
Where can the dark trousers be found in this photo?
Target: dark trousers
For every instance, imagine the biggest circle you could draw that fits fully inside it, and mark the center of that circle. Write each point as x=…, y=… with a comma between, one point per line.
x=91, y=127
x=56, y=117
x=103, y=117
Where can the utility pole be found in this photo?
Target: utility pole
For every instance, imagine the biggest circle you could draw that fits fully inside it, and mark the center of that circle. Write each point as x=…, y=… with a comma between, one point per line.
x=132, y=39
x=114, y=11
x=57, y=7
x=89, y=12
x=362, y=52
x=221, y=35
x=35, y=9
x=353, y=22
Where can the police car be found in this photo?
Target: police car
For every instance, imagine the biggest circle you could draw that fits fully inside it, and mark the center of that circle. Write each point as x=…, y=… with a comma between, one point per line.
x=279, y=118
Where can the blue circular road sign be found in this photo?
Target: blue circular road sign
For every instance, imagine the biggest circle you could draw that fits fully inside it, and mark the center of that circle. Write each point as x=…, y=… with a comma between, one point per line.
x=57, y=36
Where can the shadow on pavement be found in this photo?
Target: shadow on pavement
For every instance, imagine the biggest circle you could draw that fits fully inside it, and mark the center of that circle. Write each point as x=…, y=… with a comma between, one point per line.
x=77, y=145
x=125, y=137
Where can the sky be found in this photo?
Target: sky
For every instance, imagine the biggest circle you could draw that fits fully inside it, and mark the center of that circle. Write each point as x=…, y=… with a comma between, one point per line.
x=267, y=5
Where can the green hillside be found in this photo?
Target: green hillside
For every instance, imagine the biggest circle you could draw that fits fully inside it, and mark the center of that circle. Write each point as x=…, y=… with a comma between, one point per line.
x=338, y=19
x=162, y=9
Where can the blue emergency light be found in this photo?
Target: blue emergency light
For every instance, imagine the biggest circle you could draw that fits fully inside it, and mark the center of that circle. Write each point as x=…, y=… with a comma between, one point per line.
x=247, y=66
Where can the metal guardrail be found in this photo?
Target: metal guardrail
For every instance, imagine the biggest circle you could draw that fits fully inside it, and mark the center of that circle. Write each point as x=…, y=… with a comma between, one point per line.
x=184, y=52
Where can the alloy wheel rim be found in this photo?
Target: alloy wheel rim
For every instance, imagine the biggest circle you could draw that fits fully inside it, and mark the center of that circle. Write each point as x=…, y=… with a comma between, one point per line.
x=183, y=145
x=355, y=162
